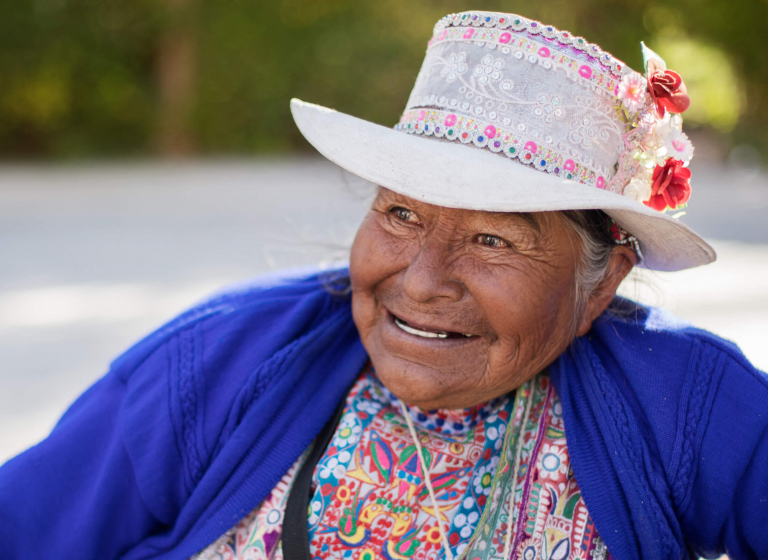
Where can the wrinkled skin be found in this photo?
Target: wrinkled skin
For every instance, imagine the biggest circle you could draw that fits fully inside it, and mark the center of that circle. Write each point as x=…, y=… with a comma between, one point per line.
x=508, y=280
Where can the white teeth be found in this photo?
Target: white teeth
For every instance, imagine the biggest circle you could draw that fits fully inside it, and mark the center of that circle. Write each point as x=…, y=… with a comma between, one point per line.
x=417, y=332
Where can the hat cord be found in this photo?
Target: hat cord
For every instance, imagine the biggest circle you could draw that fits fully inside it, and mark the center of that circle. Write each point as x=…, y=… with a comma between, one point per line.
x=427, y=481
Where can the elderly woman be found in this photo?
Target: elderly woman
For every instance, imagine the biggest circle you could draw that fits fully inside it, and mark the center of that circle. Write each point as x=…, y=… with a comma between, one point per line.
x=471, y=387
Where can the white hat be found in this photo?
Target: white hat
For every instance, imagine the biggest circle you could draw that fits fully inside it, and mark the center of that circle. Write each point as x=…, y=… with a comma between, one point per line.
x=510, y=115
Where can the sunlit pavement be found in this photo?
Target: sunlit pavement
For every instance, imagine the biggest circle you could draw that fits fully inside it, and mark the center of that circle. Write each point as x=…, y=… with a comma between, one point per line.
x=95, y=257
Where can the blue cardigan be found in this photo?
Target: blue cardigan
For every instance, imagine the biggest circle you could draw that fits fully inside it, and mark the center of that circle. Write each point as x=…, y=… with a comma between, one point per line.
x=192, y=427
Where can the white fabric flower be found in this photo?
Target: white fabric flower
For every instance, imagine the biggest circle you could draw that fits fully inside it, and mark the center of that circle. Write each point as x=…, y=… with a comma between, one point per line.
x=663, y=127
x=639, y=189
x=679, y=146
x=483, y=479
x=633, y=91
x=553, y=462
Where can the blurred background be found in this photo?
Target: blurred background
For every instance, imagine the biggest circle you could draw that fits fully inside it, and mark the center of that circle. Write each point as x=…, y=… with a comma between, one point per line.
x=148, y=157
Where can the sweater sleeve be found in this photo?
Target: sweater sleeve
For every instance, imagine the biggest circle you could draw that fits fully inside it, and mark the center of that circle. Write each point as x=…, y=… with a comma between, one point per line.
x=121, y=473
x=57, y=499
x=727, y=509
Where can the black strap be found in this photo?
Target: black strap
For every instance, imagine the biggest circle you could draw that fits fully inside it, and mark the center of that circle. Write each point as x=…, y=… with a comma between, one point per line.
x=295, y=525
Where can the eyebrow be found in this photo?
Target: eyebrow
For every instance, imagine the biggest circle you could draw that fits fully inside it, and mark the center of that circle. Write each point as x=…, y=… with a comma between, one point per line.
x=529, y=217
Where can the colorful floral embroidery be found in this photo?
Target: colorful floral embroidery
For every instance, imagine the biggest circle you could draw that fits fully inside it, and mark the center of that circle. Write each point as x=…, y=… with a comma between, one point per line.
x=371, y=498
x=370, y=501
x=549, y=520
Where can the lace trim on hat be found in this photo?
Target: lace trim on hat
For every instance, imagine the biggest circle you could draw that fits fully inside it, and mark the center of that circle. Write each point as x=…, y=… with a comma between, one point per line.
x=514, y=145
x=520, y=24
x=548, y=54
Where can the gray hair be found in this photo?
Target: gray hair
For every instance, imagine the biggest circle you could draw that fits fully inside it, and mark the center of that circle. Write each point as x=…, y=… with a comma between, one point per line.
x=593, y=228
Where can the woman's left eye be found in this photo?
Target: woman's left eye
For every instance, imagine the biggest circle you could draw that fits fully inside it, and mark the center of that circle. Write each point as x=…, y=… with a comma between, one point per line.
x=403, y=214
x=491, y=241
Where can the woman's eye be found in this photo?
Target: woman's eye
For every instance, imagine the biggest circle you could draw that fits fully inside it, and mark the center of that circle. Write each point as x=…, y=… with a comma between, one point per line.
x=403, y=214
x=491, y=240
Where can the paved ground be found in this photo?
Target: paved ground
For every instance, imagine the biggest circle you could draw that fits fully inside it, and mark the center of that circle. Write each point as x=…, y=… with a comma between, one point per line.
x=95, y=257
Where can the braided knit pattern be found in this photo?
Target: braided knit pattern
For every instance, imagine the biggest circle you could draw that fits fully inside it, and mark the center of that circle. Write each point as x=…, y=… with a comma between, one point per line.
x=705, y=370
x=257, y=382
x=619, y=414
x=188, y=399
x=260, y=379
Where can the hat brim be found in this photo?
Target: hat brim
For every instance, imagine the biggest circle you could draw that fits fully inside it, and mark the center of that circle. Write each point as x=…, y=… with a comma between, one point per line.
x=449, y=174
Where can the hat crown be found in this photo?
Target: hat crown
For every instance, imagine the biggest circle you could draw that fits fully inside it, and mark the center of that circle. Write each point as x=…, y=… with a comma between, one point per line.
x=515, y=86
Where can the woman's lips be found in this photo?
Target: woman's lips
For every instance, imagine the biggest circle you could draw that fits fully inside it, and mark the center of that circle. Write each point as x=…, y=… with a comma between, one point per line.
x=426, y=331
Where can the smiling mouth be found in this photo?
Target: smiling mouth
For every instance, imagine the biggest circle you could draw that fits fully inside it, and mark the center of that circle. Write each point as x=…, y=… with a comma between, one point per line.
x=403, y=325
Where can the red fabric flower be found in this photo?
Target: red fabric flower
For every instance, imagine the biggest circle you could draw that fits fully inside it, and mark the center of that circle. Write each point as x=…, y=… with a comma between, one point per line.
x=671, y=186
x=667, y=89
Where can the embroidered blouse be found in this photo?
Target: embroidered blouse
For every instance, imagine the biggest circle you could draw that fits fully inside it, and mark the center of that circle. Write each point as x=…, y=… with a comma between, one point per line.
x=370, y=501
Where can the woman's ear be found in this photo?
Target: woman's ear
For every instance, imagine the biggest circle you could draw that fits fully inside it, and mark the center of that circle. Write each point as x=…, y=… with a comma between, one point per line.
x=620, y=263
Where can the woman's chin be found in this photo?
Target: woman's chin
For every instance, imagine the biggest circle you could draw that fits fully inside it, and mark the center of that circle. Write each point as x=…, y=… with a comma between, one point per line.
x=408, y=382
x=423, y=386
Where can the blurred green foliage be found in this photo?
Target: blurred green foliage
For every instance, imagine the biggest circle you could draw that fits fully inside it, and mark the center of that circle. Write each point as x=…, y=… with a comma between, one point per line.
x=83, y=78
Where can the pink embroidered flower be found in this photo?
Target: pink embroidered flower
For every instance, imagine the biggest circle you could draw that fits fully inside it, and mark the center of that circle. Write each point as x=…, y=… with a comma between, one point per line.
x=531, y=147
x=585, y=72
x=422, y=115
x=600, y=183
x=679, y=146
x=569, y=165
x=505, y=38
x=490, y=131
x=544, y=52
x=450, y=120
x=632, y=92
x=468, y=33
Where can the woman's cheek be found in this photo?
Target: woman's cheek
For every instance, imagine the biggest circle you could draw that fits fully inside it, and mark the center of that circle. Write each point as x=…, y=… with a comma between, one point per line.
x=521, y=310
x=377, y=254
x=357, y=261
x=366, y=273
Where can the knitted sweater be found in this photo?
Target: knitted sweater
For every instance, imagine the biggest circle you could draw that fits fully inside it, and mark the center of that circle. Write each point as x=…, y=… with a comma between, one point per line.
x=192, y=427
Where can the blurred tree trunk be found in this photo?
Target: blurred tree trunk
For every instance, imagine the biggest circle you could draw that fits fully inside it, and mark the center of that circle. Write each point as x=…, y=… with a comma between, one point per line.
x=175, y=74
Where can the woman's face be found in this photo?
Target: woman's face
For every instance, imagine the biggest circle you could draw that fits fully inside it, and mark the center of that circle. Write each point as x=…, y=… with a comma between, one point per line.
x=456, y=307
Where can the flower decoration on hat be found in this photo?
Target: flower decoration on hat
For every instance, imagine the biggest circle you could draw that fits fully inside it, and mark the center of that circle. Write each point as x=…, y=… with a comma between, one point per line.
x=632, y=92
x=666, y=87
x=653, y=166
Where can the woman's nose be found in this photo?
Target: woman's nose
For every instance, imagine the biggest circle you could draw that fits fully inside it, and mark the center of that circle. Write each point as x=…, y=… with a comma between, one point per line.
x=429, y=276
